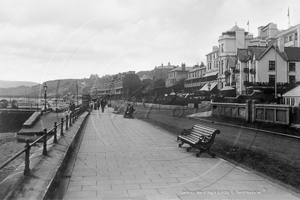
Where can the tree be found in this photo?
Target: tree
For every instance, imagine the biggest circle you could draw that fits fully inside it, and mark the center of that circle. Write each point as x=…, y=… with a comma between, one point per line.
x=179, y=86
x=146, y=83
x=159, y=83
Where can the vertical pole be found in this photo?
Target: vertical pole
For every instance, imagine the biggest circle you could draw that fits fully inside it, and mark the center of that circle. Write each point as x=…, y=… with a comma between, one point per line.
x=55, y=133
x=67, y=120
x=45, y=142
x=74, y=115
x=71, y=115
x=62, y=127
x=275, y=71
x=45, y=101
x=27, y=160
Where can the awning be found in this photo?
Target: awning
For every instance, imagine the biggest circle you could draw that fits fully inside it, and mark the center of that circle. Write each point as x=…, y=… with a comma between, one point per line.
x=212, y=85
x=211, y=74
x=295, y=92
x=227, y=88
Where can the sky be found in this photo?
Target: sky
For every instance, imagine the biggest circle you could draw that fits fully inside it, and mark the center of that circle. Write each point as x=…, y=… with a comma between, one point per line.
x=50, y=40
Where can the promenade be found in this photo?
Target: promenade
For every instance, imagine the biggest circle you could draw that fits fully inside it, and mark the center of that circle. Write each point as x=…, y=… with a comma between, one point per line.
x=129, y=159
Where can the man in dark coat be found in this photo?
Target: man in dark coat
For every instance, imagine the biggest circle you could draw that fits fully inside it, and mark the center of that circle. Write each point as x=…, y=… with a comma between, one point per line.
x=103, y=104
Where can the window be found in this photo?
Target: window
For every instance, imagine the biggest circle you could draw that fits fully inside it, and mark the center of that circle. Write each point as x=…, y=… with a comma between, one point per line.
x=271, y=65
x=292, y=67
x=285, y=39
x=292, y=101
x=291, y=38
x=272, y=79
x=292, y=79
x=222, y=50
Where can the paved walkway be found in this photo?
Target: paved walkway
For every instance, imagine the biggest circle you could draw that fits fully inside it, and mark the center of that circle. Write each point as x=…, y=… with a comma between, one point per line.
x=130, y=159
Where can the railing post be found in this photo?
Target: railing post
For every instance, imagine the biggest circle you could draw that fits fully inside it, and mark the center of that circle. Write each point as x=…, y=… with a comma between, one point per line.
x=76, y=115
x=62, y=127
x=67, y=120
x=55, y=135
x=45, y=142
x=27, y=160
x=70, y=119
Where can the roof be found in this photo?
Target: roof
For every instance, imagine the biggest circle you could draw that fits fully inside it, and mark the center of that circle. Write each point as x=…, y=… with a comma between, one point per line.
x=257, y=50
x=295, y=92
x=242, y=55
x=292, y=53
x=180, y=69
x=165, y=67
x=235, y=28
x=246, y=54
x=282, y=54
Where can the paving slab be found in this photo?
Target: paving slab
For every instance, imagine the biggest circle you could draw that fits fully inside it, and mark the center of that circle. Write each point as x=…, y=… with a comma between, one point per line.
x=122, y=158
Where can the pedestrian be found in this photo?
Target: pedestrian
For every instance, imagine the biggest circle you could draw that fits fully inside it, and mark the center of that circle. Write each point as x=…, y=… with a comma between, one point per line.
x=72, y=107
x=92, y=105
x=103, y=104
x=98, y=104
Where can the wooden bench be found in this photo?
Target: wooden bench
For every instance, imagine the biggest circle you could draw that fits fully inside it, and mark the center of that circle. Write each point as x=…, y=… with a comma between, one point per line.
x=198, y=137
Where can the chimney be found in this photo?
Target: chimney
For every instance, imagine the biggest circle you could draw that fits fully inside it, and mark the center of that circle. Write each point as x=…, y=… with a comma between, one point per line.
x=215, y=48
x=169, y=63
x=280, y=44
x=183, y=67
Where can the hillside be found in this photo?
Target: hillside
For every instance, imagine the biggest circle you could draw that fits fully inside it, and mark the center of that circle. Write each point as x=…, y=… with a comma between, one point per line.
x=11, y=84
x=56, y=88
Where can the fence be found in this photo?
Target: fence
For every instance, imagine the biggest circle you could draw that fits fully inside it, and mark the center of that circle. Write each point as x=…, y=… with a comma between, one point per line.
x=279, y=114
x=65, y=123
x=229, y=110
x=251, y=112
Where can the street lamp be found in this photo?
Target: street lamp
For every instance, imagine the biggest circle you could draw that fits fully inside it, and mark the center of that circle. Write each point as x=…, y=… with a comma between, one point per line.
x=45, y=95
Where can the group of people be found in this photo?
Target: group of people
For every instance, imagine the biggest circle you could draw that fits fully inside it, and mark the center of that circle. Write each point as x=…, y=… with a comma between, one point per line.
x=97, y=104
x=129, y=111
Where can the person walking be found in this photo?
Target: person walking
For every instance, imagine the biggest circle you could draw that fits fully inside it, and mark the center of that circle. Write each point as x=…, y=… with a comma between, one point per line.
x=103, y=104
x=98, y=104
x=92, y=105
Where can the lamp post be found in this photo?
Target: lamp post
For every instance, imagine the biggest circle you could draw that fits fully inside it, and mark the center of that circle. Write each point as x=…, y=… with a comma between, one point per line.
x=45, y=95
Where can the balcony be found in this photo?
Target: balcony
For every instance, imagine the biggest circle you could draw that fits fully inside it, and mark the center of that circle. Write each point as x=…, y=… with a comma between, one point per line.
x=246, y=70
x=236, y=71
x=252, y=71
x=246, y=83
x=227, y=73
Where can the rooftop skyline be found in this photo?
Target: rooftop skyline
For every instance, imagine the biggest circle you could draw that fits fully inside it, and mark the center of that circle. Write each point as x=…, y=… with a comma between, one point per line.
x=49, y=40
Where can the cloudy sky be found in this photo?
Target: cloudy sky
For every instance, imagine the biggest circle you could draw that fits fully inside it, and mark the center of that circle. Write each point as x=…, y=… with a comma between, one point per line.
x=48, y=40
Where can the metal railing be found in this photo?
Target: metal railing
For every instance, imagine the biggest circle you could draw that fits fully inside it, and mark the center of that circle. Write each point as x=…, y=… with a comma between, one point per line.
x=64, y=123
